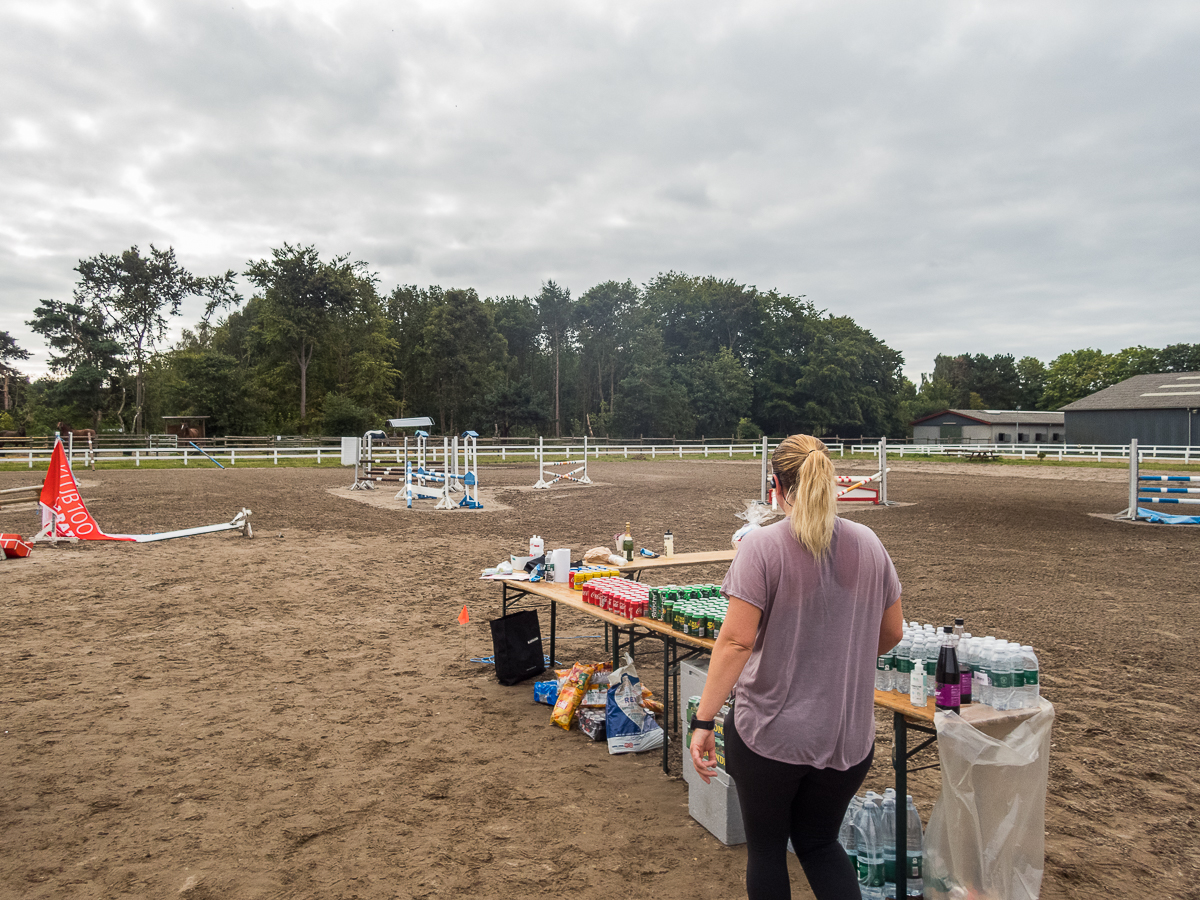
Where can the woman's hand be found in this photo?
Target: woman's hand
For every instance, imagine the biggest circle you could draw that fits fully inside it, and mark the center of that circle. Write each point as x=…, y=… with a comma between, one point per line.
x=704, y=753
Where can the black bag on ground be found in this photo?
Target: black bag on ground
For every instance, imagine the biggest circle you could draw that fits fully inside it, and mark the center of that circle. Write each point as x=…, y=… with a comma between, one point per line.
x=517, y=646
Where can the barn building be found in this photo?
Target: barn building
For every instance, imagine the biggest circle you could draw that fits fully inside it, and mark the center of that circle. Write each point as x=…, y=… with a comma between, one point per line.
x=1155, y=409
x=989, y=426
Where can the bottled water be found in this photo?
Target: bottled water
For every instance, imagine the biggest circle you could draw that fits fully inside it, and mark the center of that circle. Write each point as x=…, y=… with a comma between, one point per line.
x=1016, y=699
x=1033, y=687
x=902, y=676
x=932, y=647
x=846, y=833
x=1003, y=684
x=982, y=676
x=888, y=841
x=916, y=851
x=867, y=826
x=883, y=673
x=916, y=679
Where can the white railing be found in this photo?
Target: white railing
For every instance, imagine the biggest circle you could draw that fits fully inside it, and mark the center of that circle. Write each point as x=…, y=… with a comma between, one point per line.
x=1094, y=452
x=227, y=456
x=232, y=456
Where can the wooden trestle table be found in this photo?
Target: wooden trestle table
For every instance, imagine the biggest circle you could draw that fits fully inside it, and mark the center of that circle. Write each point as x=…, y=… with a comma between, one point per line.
x=678, y=647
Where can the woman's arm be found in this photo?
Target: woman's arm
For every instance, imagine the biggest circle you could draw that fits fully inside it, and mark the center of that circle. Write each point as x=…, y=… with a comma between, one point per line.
x=729, y=657
x=891, y=629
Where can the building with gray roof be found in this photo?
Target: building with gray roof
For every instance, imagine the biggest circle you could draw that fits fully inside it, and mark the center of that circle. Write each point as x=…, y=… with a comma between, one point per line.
x=1156, y=409
x=989, y=426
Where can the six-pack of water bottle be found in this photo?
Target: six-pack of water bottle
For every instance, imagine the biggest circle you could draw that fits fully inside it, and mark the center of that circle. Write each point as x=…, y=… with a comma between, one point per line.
x=1001, y=674
x=868, y=835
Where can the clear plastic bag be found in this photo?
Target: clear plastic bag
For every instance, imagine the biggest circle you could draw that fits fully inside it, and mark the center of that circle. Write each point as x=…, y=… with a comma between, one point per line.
x=755, y=514
x=986, y=834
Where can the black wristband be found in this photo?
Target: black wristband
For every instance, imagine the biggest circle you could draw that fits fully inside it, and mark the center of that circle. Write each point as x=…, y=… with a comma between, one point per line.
x=703, y=724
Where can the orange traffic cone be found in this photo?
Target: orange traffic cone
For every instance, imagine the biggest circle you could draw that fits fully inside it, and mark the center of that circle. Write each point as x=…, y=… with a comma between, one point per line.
x=464, y=617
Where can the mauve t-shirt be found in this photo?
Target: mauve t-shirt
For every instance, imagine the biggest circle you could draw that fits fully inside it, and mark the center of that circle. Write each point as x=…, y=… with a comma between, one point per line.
x=807, y=693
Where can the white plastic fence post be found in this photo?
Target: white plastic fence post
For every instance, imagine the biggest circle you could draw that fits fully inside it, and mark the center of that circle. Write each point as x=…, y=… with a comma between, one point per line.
x=763, y=491
x=883, y=467
x=1133, y=478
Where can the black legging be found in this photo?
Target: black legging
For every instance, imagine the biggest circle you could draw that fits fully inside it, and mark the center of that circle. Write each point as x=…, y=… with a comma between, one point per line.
x=782, y=800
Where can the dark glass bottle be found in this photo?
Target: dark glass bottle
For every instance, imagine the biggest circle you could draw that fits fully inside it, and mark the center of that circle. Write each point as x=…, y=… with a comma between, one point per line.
x=947, y=677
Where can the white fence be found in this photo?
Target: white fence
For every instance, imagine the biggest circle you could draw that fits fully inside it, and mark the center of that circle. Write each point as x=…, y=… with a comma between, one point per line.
x=318, y=453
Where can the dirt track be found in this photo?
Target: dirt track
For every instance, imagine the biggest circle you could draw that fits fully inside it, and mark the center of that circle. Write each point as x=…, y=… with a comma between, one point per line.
x=296, y=715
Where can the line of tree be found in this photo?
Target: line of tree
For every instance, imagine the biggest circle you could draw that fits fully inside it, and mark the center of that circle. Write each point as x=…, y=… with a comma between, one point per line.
x=319, y=348
x=978, y=381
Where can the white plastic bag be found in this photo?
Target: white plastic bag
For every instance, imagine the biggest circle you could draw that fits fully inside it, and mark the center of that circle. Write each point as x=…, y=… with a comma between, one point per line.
x=986, y=834
x=755, y=514
x=630, y=726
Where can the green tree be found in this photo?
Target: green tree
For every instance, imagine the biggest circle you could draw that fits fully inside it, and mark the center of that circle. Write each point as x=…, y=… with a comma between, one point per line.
x=555, y=315
x=1180, y=358
x=9, y=351
x=301, y=295
x=343, y=417
x=1074, y=375
x=720, y=391
x=1031, y=380
x=604, y=315
x=135, y=294
x=465, y=355
x=86, y=350
x=654, y=402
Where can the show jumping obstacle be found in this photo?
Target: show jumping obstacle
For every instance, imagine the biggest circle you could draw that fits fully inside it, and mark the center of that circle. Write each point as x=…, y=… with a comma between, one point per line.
x=417, y=471
x=1147, y=484
x=578, y=475
x=858, y=488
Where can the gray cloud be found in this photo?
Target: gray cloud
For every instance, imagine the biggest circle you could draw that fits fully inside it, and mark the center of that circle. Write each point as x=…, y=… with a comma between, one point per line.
x=975, y=177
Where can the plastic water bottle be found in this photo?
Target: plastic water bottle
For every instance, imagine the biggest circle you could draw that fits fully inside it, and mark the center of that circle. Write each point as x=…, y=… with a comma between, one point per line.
x=982, y=676
x=947, y=677
x=870, y=851
x=846, y=833
x=1002, y=689
x=901, y=677
x=1033, y=686
x=1016, y=699
x=916, y=678
x=916, y=851
x=931, y=657
x=883, y=674
x=888, y=840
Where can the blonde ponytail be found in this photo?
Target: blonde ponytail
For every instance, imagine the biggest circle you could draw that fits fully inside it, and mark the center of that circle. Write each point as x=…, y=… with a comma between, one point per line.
x=807, y=478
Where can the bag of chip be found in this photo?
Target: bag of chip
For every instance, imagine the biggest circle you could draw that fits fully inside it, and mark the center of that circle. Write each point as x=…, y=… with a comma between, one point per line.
x=569, y=694
x=597, y=692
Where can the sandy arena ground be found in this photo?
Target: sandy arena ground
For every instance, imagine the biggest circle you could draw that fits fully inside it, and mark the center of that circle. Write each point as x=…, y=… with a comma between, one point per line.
x=297, y=715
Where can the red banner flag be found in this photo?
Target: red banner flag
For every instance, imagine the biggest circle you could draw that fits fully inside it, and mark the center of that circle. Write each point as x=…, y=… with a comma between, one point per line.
x=60, y=498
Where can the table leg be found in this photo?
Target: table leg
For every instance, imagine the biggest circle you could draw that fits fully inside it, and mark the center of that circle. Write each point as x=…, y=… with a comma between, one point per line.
x=616, y=646
x=553, y=626
x=900, y=764
x=666, y=724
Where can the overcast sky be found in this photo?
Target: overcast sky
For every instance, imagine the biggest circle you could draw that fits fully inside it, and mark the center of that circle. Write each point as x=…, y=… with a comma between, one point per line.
x=998, y=177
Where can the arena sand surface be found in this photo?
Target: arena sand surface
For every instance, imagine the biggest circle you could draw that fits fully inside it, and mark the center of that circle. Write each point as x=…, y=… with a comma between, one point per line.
x=297, y=715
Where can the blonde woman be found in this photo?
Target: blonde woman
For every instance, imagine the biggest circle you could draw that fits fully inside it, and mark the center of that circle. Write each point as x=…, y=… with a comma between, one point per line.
x=813, y=601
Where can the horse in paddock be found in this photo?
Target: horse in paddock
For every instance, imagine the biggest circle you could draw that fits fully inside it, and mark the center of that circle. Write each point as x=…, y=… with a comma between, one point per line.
x=81, y=434
x=185, y=432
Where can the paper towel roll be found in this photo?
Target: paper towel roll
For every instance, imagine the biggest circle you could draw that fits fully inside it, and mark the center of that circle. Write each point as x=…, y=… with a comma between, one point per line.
x=562, y=564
